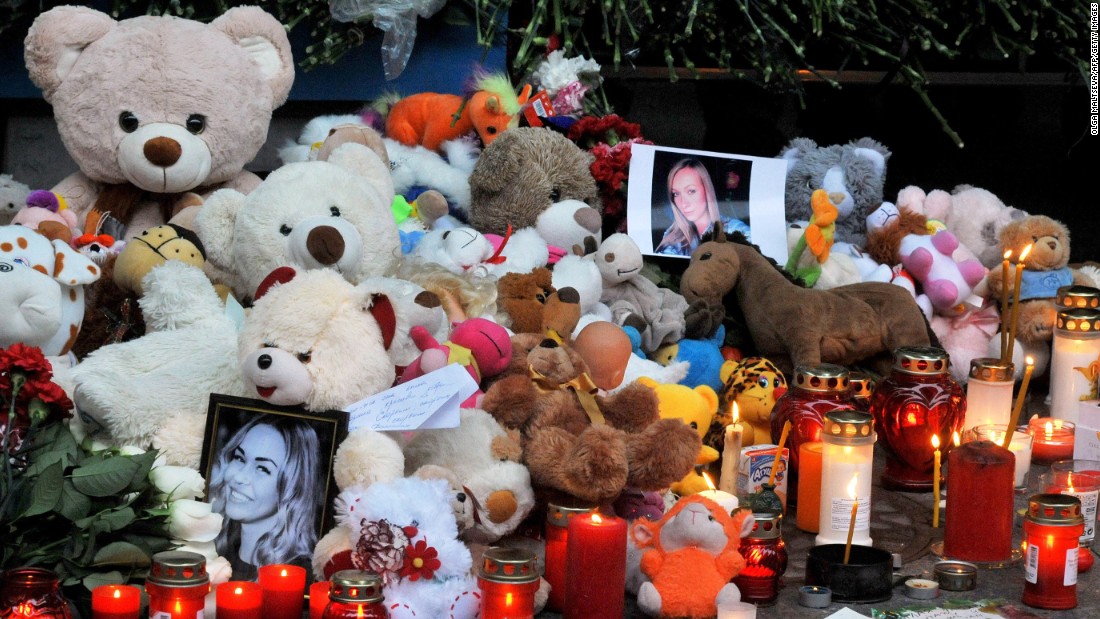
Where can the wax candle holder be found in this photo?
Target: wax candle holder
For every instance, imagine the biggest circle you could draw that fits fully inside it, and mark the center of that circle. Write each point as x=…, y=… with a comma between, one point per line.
x=32, y=592
x=848, y=443
x=1052, y=440
x=1079, y=478
x=1074, y=359
x=808, y=510
x=861, y=388
x=765, y=560
x=989, y=392
x=284, y=591
x=956, y=575
x=355, y=594
x=1052, y=528
x=177, y=585
x=917, y=400
x=736, y=610
x=1083, y=297
x=557, y=539
x=1020, y=446
x=980, y=497
x=116, y=602
x=815, y=390
x=239, y=600
x=595, y=567
x=508, y=579
x=867, y=577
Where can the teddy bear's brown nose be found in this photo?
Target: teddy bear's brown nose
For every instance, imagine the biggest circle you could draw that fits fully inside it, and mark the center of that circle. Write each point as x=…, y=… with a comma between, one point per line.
x=163, y=151
x=1053, y=245
x=501, y=505
x=325, y=244
x=588, y=219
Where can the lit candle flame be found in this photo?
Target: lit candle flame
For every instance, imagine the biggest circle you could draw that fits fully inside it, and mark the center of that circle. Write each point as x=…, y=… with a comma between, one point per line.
x=238, y=591
x=1008, y=254
x=284, y=573
x=1050, y=430
x=955, y=439
x=596, y=518
x=935, y=441
x=706, y=478
x=1023, y=254
x=736, y=413
x=118, y=594
x=852, y=487
x=508, y=599
x=1030, y=360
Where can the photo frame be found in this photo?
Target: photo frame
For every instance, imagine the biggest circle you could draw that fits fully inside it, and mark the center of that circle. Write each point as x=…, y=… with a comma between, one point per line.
x=269, y=472
x=746, y=193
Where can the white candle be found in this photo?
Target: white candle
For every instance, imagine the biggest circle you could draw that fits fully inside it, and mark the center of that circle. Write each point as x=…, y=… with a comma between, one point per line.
x=989, y=392
x=736, y=610
x=726, y=500
x=843, y=458
x=1020, y=446
x=1073, y=362
x=731, y=455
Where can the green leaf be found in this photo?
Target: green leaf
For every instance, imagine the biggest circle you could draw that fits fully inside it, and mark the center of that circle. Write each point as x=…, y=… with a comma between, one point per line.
x=140, y=480
x=44, y=460
x=121, y=553
x=118, y=519
x=104, y=477
x=74, y=505
x=46, y=492
x=96, y=579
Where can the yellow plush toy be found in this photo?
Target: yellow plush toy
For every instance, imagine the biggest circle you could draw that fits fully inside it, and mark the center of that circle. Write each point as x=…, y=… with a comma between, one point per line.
x=697, y=408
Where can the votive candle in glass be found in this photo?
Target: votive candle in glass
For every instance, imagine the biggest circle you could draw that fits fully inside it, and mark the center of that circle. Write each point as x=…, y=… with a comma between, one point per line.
x=508, y=579
x=557, y=538
x=284, y=591
x=1074, y=361
x=1052, y=528
x=1052, y=440
x=848, y=443
x=989, y=392
x=765, y=557
x=808, y=510
x=815, y=390
x=595, y=567
x=355, y=594
x=318, y=598
x=116, y=602
x=980, y=497
x=1086, y=297
x=736, y=610
x=239, y=600
x=1080, y=478
x=1020, y=446
x=177, y=585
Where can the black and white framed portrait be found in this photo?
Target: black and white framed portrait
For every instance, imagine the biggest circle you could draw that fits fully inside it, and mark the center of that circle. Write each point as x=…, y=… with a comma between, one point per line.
x=269, y=473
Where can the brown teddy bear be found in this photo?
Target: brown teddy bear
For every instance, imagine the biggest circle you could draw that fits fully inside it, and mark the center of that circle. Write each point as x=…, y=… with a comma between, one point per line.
x=581, y=444
x=1045, y=271
x=531, y=304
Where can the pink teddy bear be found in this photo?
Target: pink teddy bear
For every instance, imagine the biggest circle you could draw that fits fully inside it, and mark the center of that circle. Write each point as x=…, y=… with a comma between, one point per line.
x=946, y=282
x=481, y=345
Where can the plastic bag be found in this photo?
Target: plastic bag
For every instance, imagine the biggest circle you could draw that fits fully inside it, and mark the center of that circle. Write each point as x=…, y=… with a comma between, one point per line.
x=395, y=18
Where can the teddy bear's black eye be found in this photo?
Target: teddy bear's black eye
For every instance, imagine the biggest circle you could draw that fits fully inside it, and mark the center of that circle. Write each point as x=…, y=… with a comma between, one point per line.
x=196, y=123
x=694, y=425
x=541, y=298
x=446, y=233
x=304, y=357
x=776, y=381
x=335, y=210
x=763, y=381
x=705, y=256
x=555, y=195
x=128, y=121
x=1034, y=239
x=711, y=518
x=284, y=230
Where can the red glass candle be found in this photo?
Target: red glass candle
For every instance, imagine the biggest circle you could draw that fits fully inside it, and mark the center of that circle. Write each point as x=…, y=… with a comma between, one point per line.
x=239, y=600
x=177, y=585
x=765, y=560
x=595, y=567
x=816, y=390
x=318, y=598
x=917, y=400
x=508, y=579
x=1079, y=478
x=32, y=592
x=980, y=494
x=116, y=602
x=861, y=388
x=1051, y=530
x=284, y=588
x=1052, y=440
x=355, y=594
x=557, y=535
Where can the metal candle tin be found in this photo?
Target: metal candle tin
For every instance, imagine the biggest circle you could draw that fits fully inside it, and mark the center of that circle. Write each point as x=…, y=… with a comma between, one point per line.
x=956, y=575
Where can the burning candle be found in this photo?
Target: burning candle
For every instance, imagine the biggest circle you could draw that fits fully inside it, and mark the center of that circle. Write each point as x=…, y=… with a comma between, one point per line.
x=284, y=589
x=1004, y=305
x=980, y=500
x=989, y=392
x=116, y=602
x=318, y=598
x=808, y=513
x=239, y=600
x=779, y=451
x=1074, y=361
x=508, y=579
x=177, y=585
x=1019, y=445
x=736, y=610
x=1014, y=420
x=1081, y=479
x=1016, y=301
x=852, y=521
x=595, y=576
x=557, y=538
x=725, y=499
x=1052, y=440
x=848, y=442
x=1051, y=530
x=731, y=454
x=936, y=481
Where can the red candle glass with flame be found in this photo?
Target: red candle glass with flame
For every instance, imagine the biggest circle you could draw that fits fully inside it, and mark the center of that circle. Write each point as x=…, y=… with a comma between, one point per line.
x=355, y=594
x=508, y=579
x=557, y=537
x=1052, y=440
x=284, y=591
x=917, y=400
x=177, y=585
x=239, y=600
x=815, y=390
x=765, y=560
x=1051, y=530
x=116, y=602
x=595, y=567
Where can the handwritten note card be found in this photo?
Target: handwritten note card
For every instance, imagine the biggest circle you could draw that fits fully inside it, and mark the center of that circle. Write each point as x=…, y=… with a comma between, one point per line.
x=428, y=402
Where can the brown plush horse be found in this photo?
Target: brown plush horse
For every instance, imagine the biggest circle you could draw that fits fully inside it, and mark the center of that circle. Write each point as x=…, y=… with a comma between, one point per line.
x=792, y=325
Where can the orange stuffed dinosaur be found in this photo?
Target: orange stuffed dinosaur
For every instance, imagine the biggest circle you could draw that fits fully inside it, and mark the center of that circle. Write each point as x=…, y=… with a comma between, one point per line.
x=692, y=556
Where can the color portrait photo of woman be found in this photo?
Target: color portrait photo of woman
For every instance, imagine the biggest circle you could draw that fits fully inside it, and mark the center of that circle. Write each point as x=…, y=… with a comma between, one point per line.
x=694, y=205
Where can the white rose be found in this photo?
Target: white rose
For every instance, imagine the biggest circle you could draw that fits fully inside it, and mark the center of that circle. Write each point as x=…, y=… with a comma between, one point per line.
x=130, y=450
x=194, y=521
x=220, y=571
x=206, y=549
x=178, y=482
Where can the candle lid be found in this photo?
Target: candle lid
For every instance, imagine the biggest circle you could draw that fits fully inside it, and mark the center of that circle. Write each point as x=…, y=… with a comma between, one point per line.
x=862, y=384
x=559, y=515
x=1078, y=321
x=1061, y=509
x=849, y=427
x=823, y=377
x=500, y=564
x=178, y=568
x=992, y=370
x=1078, y=296
x=766, y=526
x=356, y=586
x=920, y=360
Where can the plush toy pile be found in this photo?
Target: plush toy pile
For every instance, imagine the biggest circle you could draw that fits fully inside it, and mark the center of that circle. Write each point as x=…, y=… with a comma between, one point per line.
x=391, y=246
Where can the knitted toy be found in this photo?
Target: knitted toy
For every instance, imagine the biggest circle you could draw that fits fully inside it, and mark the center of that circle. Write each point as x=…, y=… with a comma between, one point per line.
x=152, y=108
x=852, y=174
x=13, y=196
x=690, y=557
x=481, y=346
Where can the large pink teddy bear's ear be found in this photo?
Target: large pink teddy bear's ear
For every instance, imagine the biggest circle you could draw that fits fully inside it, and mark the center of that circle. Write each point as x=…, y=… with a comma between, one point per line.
x=57, y=38
x=264, y=39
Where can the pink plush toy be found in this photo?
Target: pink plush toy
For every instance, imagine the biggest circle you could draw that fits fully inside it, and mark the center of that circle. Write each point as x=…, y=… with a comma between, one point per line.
x=43, y=206
x=946, y=282
x=481, y=345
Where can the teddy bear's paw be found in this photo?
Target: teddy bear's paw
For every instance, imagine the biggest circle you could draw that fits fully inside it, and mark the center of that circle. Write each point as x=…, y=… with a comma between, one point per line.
x=591, y=466
x=661, y=454
x=649, y=599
